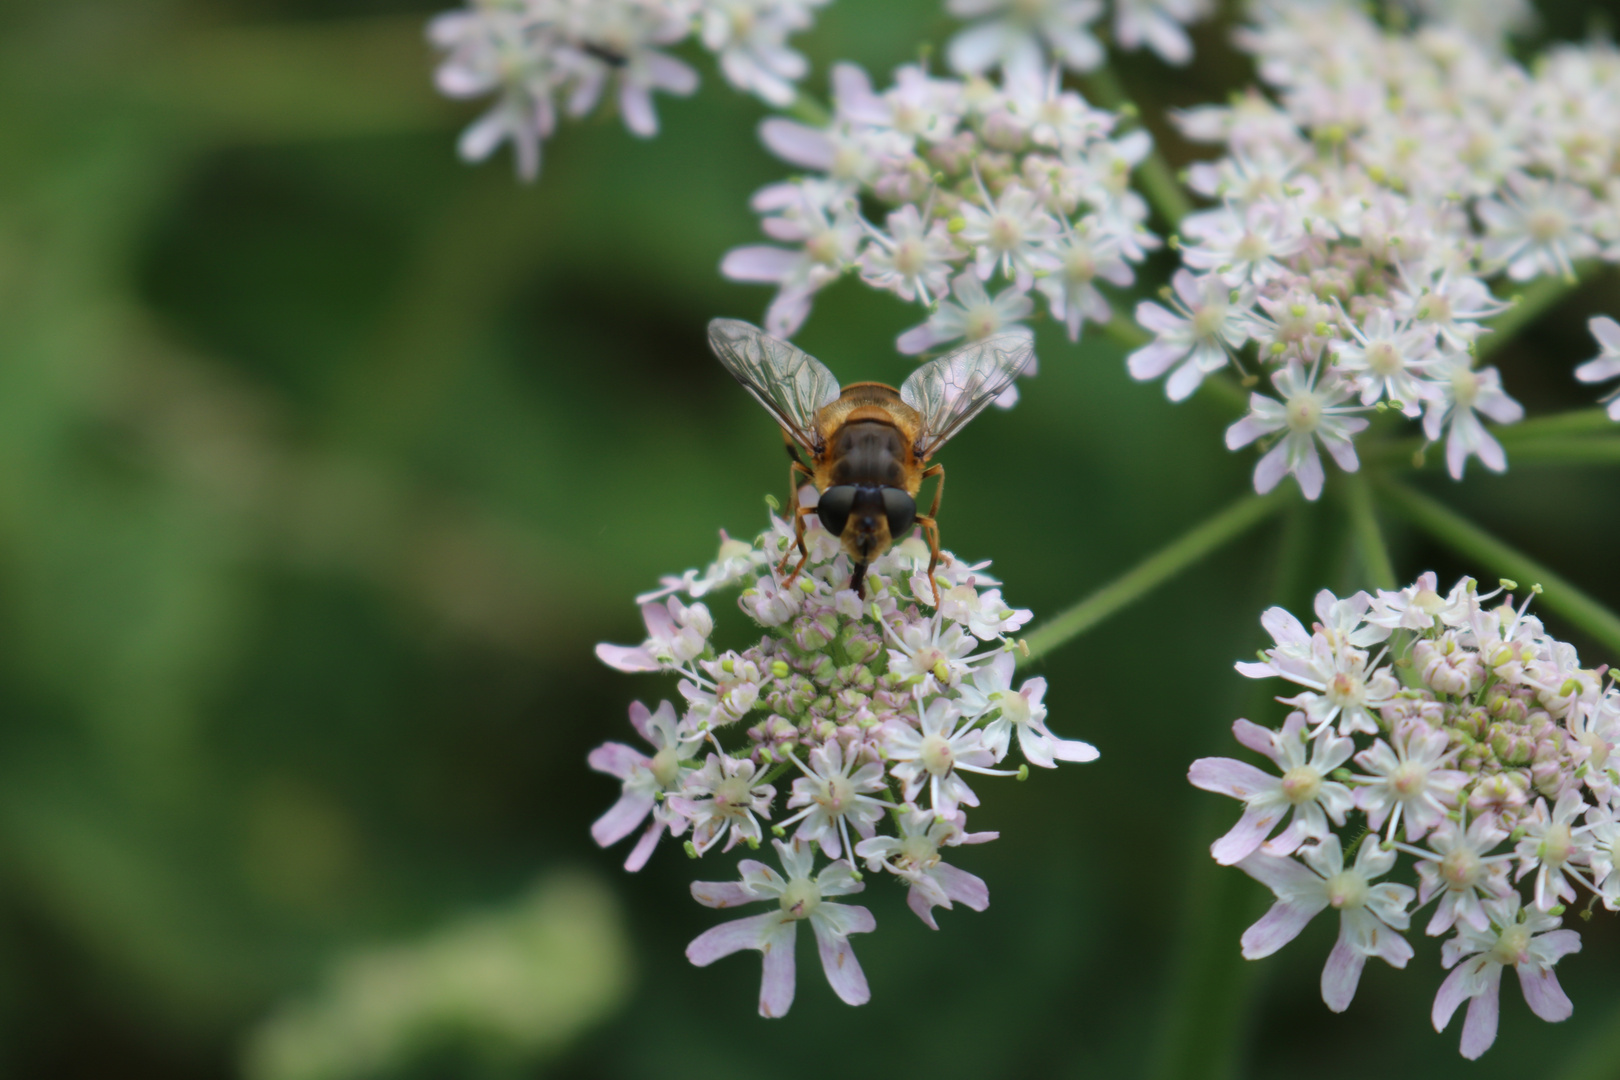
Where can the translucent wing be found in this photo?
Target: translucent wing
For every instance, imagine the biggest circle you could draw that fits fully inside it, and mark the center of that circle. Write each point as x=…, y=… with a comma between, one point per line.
x=788, y=381
x=952, y=390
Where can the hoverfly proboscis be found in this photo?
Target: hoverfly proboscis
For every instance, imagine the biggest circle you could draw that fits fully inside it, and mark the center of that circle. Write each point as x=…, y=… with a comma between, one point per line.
x=869, y=444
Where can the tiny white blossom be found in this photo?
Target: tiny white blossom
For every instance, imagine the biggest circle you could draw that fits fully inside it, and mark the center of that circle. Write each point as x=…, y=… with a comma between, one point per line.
x=1531, y=943
x=799, y=897
x=1306, y=414
x=1607, y=363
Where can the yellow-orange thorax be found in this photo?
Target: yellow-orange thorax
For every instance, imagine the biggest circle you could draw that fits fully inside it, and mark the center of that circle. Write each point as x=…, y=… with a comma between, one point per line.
x=869, y=435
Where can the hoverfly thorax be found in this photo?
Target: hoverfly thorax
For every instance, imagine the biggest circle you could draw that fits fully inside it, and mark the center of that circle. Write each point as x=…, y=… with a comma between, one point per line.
x=869, y=444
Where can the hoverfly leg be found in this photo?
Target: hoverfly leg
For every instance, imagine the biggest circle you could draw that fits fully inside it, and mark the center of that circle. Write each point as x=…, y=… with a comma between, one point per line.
x=931, y=531
x=798, y=541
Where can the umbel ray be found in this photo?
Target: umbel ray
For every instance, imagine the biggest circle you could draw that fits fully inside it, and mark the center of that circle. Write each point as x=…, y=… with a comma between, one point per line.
x=869, y=444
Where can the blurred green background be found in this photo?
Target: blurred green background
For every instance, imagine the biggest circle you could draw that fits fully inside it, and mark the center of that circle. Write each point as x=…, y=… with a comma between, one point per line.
x=325, y=460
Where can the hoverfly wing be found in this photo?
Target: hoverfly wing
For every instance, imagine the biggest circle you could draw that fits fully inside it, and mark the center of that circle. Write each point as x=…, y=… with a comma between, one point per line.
x=788, y=381
x=952, y=390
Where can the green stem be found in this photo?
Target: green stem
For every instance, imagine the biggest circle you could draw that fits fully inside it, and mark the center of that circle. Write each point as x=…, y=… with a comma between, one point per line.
x=1368, y=536
x=1153, y=175
x=1468, y=539
x=1568, y=452
x=1575, y=422
x=1152, y=572
x=1124, y=329
x=1555, y=438
x=810, y=111
x=1203, y=1033
x=1529, y=306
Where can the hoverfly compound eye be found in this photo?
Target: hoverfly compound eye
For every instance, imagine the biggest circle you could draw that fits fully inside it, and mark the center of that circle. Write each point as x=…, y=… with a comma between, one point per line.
x=834, y=507
x=900, y=509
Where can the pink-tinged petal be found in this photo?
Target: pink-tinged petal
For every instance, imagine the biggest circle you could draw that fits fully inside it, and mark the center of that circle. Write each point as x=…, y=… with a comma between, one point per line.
x=975, y=48
x=1247, y=835
x=1275, y=929
x=1284, y=627
x=1183, y=381
x=788, y=312
x=1253, y=670
x=1341, y=975
x=759, y=262
x=844, y=972
x=1490, y=451
x=1543, y=994
x=640, y=717
x=917, y=339
x=1228, y=776
x=734, y=936
x=1599, y=370
x=1270, y=470
x=776, y=985
x=1245, y=431
x=1344, y=453
x=1308, y=472
x=635, y=105
x=722, y=894
x=671, y=75
x=622, y=818
x=1252, y=735
x=627, y=658
x=798, y=144
x=1453, y=992
x=1479, y=1029
x=1559, y=943
x=918, y=900
x=644, y=847
x=616, y=759
x=1457, y=457
x=963, y=887
x=1073, y=750
x=1280, y=875
x=1151, y=361
x=1287, y=842
x=1157, y=320
x=1607, y=333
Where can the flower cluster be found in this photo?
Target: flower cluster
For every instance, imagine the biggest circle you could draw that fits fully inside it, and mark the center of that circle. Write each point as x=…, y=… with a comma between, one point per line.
x=534, y=54
x=1472, y=743
x=977, y=181
x=884, y=714
x=1020, y=35
x=1359, y=218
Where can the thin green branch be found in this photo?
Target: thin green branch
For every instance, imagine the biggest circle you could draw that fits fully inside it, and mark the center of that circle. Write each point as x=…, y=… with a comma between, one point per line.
x=1576, y=422
x=1529, y=306
x=1468, y=539
x=1202, y=1033
x=1368, y=536
x=807, y=109
x=1546, y=439
x=1153, y=175
x=1124, y=329
x=1151, y=572
x=1568, y=452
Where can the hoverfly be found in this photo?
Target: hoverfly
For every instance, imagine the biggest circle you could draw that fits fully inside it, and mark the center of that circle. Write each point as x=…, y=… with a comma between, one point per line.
x=869, y=444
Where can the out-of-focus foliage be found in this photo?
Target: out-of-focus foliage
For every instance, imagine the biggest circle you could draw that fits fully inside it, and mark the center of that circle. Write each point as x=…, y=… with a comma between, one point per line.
x=502, y=988
x=325, y=459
